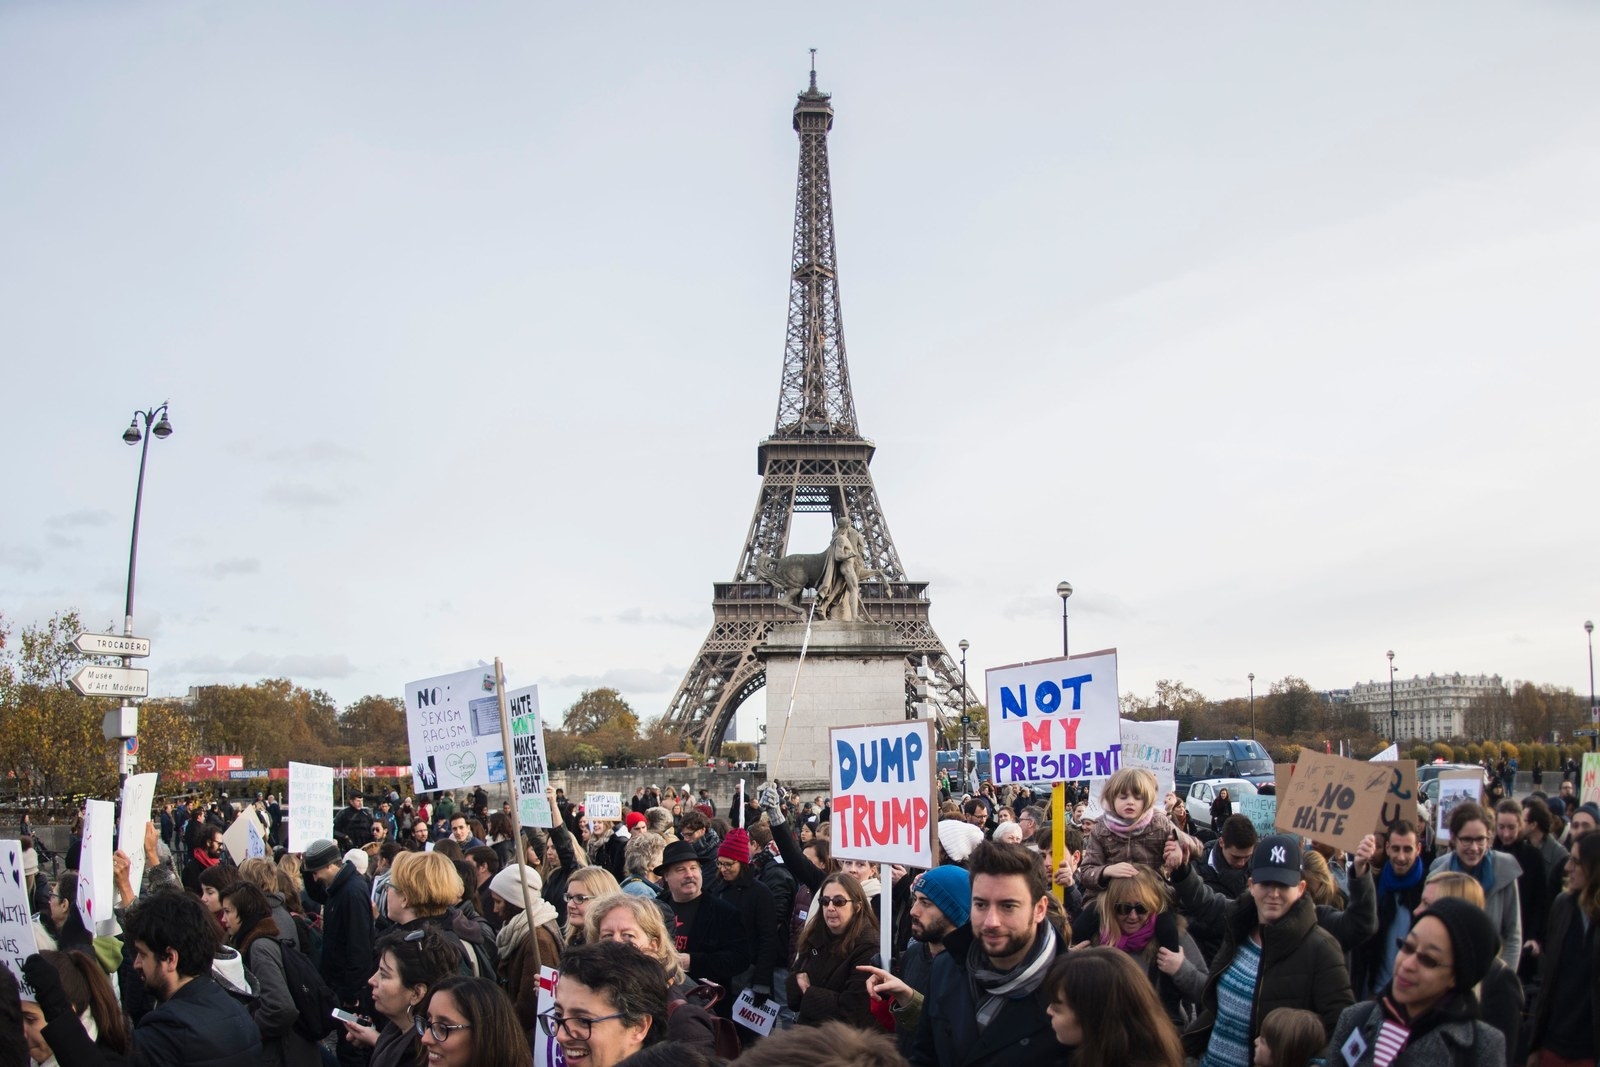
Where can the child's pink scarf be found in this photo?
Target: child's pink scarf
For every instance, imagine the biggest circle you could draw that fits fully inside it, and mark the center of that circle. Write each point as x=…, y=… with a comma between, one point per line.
x=1127, y=829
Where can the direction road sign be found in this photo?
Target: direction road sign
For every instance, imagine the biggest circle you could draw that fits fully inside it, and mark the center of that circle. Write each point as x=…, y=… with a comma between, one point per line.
x=111, y=681
x=111, y=645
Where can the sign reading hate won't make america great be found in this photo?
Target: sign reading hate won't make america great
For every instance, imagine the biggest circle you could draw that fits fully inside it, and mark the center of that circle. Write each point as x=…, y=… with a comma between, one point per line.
x=453, y=724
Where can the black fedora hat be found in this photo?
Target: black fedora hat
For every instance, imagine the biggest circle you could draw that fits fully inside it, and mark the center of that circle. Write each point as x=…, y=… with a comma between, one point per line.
x=676, y=853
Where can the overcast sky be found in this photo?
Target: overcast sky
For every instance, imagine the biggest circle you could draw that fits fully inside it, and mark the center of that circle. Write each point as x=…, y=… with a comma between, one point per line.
x=1270, y=327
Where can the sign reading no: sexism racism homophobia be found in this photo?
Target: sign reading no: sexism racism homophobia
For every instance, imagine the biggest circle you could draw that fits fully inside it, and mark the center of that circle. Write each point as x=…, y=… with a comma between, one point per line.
x=453, y=724
x=1055, y=720
x=883, y=792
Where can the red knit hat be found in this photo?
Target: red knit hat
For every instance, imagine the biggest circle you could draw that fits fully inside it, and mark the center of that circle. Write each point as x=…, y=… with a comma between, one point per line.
x=736, y=846
x=635, y=819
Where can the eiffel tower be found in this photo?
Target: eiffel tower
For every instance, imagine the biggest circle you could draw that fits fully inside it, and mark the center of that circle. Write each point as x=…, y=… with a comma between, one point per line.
x=815, y=461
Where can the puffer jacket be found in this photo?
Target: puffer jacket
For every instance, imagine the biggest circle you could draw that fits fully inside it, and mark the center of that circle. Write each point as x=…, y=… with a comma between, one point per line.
x=1503, y=902
x=1302, y=966
x=1105, y=846
x=1458, y=1042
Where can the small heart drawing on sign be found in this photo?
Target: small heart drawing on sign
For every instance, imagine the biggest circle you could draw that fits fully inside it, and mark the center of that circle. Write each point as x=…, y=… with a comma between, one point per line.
x=461, y=764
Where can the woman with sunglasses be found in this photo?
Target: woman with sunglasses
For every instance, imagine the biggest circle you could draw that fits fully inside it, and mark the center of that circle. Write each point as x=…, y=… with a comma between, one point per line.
x=1471, y=835
x=1136, y=917
x=1428, y=1013
x=469, y=1022
x=410, y=964
x=839, y=937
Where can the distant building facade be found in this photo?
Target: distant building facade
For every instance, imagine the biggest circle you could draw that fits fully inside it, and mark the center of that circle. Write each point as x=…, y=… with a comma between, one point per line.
x=1432, y=708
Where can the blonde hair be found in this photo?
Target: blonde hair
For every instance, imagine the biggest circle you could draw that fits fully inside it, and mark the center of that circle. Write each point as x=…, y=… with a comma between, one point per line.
x=647, y=915
x=1133, y=782
x=1456, y=884
x=1319, y=880
x=1143, y=888
x=428, y=881
x=289, y=864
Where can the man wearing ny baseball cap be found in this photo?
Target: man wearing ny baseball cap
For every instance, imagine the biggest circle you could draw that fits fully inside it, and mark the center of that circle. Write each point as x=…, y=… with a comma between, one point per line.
x=1274, y=955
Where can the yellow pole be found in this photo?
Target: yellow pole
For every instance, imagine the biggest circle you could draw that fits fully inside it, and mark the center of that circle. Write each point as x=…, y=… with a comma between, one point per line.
x=1058, y=835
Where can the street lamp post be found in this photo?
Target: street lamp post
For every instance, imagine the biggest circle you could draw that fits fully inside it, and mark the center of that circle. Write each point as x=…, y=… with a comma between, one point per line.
x=1252, y=705
x=127, y=718
x=1594, y=717
x=1064, y=590
x=965, y=704
x=1393, y=740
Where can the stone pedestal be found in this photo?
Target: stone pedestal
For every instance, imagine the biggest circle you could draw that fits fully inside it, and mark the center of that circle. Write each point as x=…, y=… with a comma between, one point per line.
x=854, y=673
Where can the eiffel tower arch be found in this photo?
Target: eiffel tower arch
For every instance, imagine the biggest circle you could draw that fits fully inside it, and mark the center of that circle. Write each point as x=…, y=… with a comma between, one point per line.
x=815, y=461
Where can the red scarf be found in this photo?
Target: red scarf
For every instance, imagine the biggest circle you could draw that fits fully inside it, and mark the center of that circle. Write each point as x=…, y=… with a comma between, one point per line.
x=204, y=858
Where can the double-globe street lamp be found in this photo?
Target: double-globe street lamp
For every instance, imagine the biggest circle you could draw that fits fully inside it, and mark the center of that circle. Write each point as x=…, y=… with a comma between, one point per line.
x=1064, y=590
x=123, y=724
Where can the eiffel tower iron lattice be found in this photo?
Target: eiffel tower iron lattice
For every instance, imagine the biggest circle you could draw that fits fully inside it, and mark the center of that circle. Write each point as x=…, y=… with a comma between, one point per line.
x=815, y=461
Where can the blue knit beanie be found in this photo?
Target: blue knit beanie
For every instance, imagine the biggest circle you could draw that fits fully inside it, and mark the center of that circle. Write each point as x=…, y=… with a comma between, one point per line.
x=950, y=888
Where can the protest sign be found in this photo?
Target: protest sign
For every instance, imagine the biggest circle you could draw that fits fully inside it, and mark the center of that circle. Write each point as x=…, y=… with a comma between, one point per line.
x=1153, y=746
x=246, y=838
x=529, y=771
x=94, y=867
x=752, y=1016
x=602, y=806
x=1054, y=720
x=1388, y=755
x=1400, y=803
x=1261, y=810
x=547, y=1051
x=1333, y=800
x=1282, y=775
x=310, y=805
x=138, y=794
x=1589, y=779
x=1455, y=789
x=884, y=792
x=16, y=922
x=453, y=723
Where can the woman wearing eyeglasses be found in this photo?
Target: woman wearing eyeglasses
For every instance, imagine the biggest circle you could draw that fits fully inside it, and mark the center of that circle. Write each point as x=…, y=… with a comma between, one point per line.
x=410, y=963
x=611, y=1001
x=586, y=884
x=1471, y=835
x=468, y=1022
x=1136, y=917
x=1428, y=1013
x=839, y=937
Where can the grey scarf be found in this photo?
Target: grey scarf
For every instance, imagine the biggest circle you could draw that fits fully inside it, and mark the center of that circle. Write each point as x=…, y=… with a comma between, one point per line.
x=991, y=989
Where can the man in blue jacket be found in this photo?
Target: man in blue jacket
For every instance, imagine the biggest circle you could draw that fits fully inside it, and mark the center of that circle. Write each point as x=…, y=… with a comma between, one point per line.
x=985, y=1003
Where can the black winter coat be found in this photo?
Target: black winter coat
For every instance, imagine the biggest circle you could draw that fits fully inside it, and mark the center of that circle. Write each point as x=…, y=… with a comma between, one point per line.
x=1562, y=915
x=753, y=900
x=198, y=1026
x=837, y=992
x=1302, y=966
x=1019, y=1036
x=346, y=933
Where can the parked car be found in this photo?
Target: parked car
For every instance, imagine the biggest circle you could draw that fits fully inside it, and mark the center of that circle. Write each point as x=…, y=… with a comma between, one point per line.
x=1197, y=760
x=1202, y=793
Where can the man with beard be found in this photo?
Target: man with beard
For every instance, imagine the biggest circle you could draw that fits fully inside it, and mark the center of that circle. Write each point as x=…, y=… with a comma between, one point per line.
x=1399, y=895
x=940, y=899
x=985, y=1002
x=207, y=854
x=195, y=1023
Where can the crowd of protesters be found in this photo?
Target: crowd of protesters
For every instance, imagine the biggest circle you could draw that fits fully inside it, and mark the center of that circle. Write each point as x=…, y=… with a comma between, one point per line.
x=414, y=936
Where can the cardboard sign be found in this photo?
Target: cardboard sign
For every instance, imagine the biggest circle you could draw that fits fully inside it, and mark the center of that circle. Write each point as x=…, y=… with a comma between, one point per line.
x=1282, y=775
x=1332, y=800
x=602, y=806
x=1457, y=788
x=529, y=772
x=752, y=1016
x=1055, y=720
x=94, y=870
x=16, y=924
x=138, y=795
x=1401, y=800
x=1589, y=779
x=310, y=805
x=885, y=793
x=1262, y=811
x=453, y=724
x=1152, y=746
